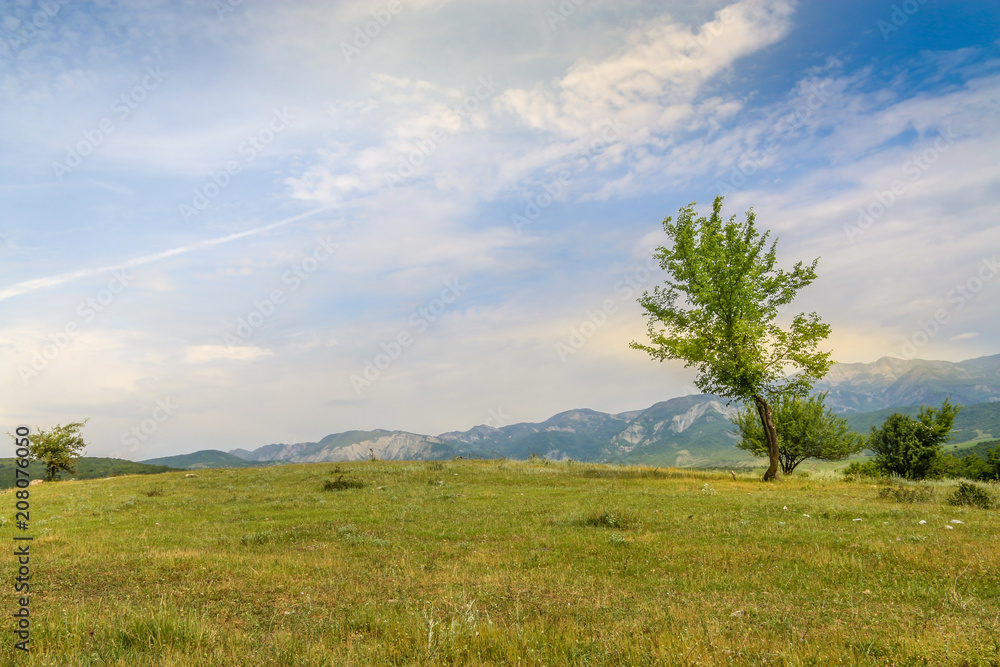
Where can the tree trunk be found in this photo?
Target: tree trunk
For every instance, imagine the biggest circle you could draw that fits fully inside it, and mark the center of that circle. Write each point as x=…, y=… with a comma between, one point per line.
x=773, y=452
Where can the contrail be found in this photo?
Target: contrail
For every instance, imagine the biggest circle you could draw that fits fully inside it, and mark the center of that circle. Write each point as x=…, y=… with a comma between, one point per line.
x=63, y=278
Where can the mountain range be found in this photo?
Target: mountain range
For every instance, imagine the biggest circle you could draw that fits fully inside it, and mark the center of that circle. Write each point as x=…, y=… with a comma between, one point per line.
x=891, y=382
x=686, y=431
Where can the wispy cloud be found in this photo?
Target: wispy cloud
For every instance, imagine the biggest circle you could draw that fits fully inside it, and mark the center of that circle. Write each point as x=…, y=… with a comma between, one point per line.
x=34, y=284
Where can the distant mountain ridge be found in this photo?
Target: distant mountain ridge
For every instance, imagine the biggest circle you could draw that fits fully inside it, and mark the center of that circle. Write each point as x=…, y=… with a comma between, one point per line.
x=891, y=382
x=686, y=431
x=206, y=458
x=666, y=433
x=357, y=445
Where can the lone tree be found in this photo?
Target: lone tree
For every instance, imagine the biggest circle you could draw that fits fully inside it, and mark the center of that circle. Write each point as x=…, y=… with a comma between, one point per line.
x=806, y=430
x=59, y=448
x=716, y=311
x=911, y=447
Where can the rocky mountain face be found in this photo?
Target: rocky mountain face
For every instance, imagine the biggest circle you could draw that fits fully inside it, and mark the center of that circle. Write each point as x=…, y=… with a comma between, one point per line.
x=890, y=382
x=575, y=434
x=670, y=431
x=665, y=433
x=357, y=446
x=687, y=431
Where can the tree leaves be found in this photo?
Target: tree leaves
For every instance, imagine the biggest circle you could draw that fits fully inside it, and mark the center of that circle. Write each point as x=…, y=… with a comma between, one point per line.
x=806, y=429
x=59, y=448
x=717, y=308
x=911, y=447
x=716, y=311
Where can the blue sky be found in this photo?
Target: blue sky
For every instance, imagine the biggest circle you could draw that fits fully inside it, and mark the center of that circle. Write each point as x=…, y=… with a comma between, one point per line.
x=250, y=222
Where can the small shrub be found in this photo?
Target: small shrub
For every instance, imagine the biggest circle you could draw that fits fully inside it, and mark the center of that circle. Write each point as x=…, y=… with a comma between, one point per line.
x=340, y=484
x=617, y=539
x=868, y=469
x=152, y=493
x=971, y=494
x=619, y=519
x=906, y=494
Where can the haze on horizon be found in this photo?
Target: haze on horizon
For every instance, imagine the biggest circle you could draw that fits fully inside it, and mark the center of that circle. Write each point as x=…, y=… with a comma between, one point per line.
x=227, y=212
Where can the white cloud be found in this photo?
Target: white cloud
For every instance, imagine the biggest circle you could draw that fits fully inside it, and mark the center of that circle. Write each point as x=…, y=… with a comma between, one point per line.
x=651, y=83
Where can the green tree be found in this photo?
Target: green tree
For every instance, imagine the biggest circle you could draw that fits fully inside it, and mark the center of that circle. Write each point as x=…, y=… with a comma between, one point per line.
x=717, y=310
x=59, y=448
x=806, y=430
x=969, y=466
x=993, y=459
x=911, y=447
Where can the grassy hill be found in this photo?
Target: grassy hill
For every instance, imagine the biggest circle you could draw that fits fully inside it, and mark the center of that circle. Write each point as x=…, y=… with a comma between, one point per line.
x=503, y=563
x=87, y=468
x=979, y=449
x=206, y=458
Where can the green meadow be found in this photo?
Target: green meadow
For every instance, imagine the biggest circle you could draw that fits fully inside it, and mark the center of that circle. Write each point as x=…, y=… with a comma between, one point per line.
x=473, y=562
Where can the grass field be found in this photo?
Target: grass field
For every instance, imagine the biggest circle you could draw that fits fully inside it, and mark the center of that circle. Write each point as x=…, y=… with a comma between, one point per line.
x=501, y=563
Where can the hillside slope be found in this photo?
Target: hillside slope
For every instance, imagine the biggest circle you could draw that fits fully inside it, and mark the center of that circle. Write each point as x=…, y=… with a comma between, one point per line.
x=206, y=458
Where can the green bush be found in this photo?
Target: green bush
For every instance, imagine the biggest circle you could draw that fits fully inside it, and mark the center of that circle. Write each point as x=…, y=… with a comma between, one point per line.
x=969, y=466
x=971, y=494
x=866, y=469
x=906, y=494
x=619, y=519
x=340, y=484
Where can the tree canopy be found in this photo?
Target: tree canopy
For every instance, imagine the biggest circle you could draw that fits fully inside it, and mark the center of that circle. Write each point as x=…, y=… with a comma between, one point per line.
x=59, y=448
x=911, y=447
x=806, y=430
x=717, y=311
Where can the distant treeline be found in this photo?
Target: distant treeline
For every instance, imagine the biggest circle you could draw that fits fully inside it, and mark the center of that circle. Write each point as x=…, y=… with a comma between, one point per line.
x=86, y=468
